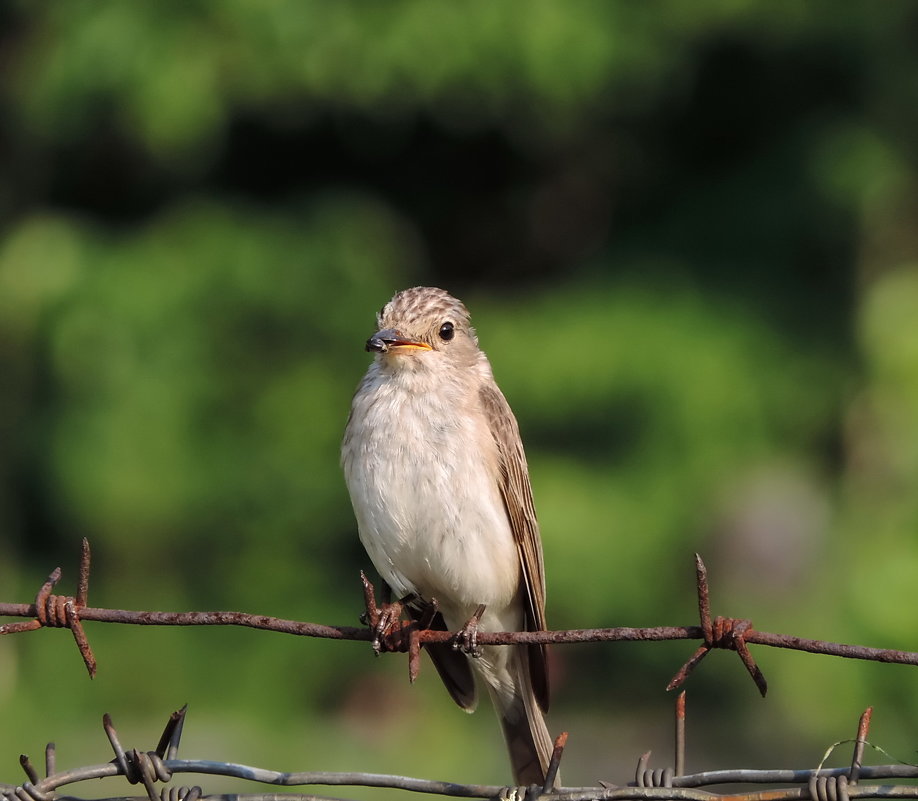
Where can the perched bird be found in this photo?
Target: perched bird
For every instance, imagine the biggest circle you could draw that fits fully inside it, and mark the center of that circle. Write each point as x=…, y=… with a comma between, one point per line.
x=438, y=480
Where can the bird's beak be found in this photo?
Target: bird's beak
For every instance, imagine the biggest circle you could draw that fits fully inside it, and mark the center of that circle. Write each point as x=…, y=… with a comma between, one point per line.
x=391, y=340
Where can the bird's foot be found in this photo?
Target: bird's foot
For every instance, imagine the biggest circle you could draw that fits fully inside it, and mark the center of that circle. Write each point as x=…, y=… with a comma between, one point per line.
x=466, y=639
x=390, y=632
x=388, y=629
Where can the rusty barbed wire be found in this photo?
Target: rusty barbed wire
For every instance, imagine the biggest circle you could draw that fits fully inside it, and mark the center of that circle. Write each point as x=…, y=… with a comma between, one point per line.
x=61, y=611
x=49, y=610
x=161, y=765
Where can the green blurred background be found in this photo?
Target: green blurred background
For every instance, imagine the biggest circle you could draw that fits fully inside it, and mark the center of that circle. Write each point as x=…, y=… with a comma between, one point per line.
x=686, y=232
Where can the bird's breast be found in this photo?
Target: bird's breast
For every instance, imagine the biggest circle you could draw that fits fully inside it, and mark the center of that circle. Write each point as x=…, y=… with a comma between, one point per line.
x=422, y=471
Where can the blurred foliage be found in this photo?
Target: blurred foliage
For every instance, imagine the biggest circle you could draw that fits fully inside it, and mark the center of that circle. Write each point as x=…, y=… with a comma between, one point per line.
x=686, y=235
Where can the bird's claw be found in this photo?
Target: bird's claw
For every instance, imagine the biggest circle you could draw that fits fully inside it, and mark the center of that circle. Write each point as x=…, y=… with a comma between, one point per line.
x=388, y=628
x=466, y=639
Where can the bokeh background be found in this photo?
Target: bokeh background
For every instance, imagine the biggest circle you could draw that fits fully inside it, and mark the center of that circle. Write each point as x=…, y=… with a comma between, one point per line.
x=686, y=232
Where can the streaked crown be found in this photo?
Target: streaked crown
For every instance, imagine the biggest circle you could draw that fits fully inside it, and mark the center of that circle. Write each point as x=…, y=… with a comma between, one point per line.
x=414, y=309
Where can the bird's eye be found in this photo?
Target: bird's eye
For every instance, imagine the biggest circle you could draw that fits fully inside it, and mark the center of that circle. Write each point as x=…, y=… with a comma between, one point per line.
x=446, y=331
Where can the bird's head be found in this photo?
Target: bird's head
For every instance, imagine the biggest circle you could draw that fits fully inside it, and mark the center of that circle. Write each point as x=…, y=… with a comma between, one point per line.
x=420, y=322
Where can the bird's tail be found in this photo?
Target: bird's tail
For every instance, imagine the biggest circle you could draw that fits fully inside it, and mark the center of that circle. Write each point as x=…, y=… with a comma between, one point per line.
x=528, y=741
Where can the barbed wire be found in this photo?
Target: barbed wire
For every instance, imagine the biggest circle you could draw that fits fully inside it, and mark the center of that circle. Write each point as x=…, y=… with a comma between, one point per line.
x=50, y=610
x=390, y=633
x=162, y=764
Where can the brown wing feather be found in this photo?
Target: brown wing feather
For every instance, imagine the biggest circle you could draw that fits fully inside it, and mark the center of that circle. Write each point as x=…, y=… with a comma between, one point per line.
x=516, y=492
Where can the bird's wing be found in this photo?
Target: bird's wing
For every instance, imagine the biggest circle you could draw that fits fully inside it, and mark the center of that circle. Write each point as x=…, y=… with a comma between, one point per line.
x=516, y=492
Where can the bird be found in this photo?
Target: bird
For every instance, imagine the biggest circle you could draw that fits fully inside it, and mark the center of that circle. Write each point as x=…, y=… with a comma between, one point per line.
x=439, y=484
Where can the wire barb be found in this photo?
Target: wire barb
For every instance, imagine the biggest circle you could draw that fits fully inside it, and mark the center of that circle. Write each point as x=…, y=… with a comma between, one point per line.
x=719, y=632
x=50, y=759
x=29, y=769
x=554, y=764
x=82, y=596
x=680, y=734
x=414, y=654
x=61, y=611
x=146, y=767
x=169, y=741
x=863, y=728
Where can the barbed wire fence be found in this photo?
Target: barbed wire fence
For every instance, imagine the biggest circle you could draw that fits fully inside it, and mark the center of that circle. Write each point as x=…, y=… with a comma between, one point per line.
x=161, y=764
